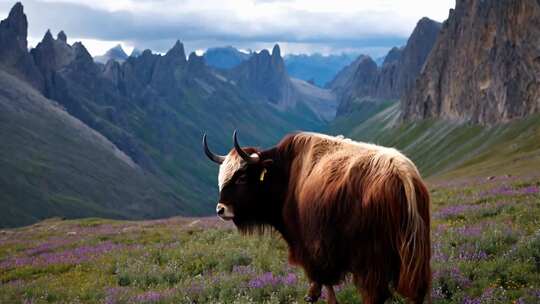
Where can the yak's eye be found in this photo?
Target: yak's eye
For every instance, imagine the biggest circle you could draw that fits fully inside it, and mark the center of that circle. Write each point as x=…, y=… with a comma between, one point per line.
x=242, y=179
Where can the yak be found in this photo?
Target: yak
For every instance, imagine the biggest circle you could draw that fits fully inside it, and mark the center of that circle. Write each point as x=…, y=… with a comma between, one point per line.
x=343, y=208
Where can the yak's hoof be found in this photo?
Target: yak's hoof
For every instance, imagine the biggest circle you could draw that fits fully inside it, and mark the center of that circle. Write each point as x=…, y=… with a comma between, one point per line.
x=311, y=299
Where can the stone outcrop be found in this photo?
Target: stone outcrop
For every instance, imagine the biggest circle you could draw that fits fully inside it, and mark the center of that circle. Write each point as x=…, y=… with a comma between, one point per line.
x=485, y=66
x=394, y=78
x=14, y=55
x=264, y=74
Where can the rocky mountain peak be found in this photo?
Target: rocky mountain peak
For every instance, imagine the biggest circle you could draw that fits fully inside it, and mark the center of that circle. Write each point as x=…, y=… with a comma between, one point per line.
x=62, y=36
x=15, y=28
x=177, y=50
x=81, y=52
x=276, y=51
x=265, y=74
x=393, y=56
x=362, y=81
x=484, y=67
x=116, y=53
x=48, y=37
x=14, y=55
x=16, y=20
x=135, y=53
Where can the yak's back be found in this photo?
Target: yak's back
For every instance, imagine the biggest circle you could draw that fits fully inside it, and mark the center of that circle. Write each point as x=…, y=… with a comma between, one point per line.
x=324, y=165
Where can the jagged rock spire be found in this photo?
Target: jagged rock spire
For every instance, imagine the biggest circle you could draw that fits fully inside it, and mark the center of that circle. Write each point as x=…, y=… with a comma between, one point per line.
x=276, y=51
x=17, y=20
x=47, y=37
x=17, y=25
x=62, y=36
x=177, y=50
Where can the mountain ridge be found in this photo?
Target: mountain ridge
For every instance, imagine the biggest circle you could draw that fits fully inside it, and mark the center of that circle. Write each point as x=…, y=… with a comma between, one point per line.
x=364, y=82
x=498, y=39
x=153, y=108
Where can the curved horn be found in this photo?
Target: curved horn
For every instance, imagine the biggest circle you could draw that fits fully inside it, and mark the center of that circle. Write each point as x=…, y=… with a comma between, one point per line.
x=248, y=158
x=213, y=157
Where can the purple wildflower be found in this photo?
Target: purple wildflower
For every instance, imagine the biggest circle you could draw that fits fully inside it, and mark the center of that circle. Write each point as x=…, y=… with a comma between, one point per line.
x=149, y=297
x=70, y=256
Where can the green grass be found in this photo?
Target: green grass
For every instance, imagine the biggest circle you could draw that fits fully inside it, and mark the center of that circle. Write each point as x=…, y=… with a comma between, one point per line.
x=445, y=150
x=486, y=248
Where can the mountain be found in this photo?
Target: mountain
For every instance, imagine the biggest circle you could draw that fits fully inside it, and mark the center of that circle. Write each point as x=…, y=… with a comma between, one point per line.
x=401, y=67
x=356, y=81
x=484, y=67
x=315, y=67
x=152, y=109
x=225, y=57
x=364, y=82
x=135, y=53
x=53, y=164
x=116, y=53
x=264, y=75
x=14, y=55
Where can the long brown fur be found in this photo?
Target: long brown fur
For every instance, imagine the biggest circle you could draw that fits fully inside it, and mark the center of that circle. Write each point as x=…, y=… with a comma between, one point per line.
x=343, y=207
x=357, y=208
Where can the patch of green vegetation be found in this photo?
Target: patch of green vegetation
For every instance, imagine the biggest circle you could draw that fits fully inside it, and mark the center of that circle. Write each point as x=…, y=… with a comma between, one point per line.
x=444, y=150
x=485, y=235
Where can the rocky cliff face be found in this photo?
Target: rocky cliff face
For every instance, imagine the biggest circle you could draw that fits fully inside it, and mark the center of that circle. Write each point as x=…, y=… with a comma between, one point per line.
x=356, y=84
x=396, y=76
x=14, y=55
x=485, y=66
x=410, y=61
x=264, y=74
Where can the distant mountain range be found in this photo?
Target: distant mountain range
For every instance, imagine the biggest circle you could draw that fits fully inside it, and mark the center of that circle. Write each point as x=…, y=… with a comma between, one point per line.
x=116, y=53
x=362, y=85
x=225, y=57
x=317, y=68
x=122, y=138
x=149, y=112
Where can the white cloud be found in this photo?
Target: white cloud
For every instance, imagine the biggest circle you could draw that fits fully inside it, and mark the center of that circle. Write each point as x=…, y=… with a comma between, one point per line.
x=310, y=25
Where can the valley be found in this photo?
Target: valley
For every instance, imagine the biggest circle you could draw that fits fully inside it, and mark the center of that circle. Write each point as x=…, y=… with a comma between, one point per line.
x=107, y=196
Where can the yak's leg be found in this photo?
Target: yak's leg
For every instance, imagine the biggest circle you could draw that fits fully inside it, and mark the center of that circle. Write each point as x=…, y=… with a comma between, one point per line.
x=314, y=293
x=331, y=294
x=416, y=296
x=373, y=292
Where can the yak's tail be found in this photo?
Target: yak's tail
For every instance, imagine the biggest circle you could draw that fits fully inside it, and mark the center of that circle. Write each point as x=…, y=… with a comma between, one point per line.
x=400, y=200
x=415, y=242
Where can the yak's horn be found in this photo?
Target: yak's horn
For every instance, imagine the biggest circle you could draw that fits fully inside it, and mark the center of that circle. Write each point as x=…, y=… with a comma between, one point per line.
x=214, y=157
x=245, y=156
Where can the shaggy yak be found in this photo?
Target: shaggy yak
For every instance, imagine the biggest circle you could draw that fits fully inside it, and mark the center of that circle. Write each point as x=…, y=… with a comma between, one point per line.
x=343, y=207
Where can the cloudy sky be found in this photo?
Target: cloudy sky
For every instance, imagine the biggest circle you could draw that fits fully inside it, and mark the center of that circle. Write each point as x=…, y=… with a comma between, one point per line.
x=299, y=26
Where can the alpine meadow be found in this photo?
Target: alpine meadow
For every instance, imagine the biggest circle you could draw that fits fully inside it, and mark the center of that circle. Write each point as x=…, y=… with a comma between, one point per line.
x=270, y=152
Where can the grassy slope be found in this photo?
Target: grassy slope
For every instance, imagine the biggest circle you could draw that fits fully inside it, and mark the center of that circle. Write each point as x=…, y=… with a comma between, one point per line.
x=486, y=249
x=175, y=177
x=52, y=164
x=445, y=150
x=486, y=244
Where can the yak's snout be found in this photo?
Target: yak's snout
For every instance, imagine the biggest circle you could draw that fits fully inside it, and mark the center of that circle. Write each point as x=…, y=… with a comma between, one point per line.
x=224, y=212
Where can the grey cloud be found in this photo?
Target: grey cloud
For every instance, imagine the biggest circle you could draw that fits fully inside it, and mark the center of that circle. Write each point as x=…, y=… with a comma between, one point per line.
x=209, y=29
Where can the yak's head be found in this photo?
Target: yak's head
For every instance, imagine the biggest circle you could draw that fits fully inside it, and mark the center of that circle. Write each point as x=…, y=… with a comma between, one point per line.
x=243, y=184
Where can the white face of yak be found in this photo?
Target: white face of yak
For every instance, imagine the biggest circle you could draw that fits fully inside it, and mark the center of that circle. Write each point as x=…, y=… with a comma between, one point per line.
x=233, y=162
